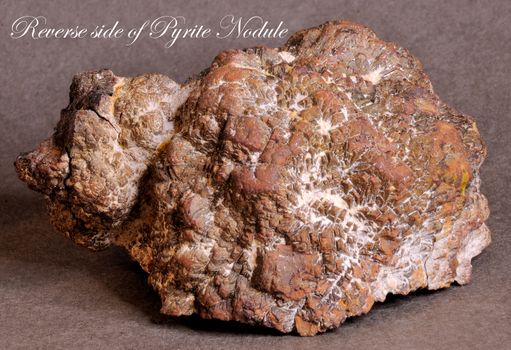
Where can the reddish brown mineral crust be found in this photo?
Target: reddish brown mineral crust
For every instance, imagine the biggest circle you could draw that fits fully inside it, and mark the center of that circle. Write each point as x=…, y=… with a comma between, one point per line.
x=289, y=187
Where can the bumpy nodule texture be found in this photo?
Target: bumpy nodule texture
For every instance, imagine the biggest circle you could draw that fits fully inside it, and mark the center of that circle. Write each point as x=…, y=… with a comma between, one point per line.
x=287, y=187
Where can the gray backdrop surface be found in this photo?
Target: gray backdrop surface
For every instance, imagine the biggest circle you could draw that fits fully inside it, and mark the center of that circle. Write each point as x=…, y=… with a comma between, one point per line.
x=56, y=295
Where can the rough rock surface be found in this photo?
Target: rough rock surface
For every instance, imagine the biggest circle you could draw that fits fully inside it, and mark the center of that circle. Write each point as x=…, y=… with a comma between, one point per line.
x=288, y=187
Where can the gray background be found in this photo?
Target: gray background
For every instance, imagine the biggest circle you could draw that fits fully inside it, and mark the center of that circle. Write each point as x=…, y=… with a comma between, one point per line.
x=56, y=295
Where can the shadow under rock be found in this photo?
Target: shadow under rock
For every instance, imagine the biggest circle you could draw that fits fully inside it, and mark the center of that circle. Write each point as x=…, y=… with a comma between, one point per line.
x=129, y=282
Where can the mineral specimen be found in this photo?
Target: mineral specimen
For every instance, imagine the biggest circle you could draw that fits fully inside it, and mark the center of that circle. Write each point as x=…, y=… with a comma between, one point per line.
x=287, y=187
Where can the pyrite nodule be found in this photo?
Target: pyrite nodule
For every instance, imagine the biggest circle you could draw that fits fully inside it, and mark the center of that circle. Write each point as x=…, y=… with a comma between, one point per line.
x=288, y=187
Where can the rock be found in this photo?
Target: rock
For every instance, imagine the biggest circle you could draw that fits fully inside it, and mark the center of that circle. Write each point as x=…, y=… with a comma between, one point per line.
x=287, y=187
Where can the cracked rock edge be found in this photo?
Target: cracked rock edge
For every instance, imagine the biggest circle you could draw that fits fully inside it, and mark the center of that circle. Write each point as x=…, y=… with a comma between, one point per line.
x=287, y=187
